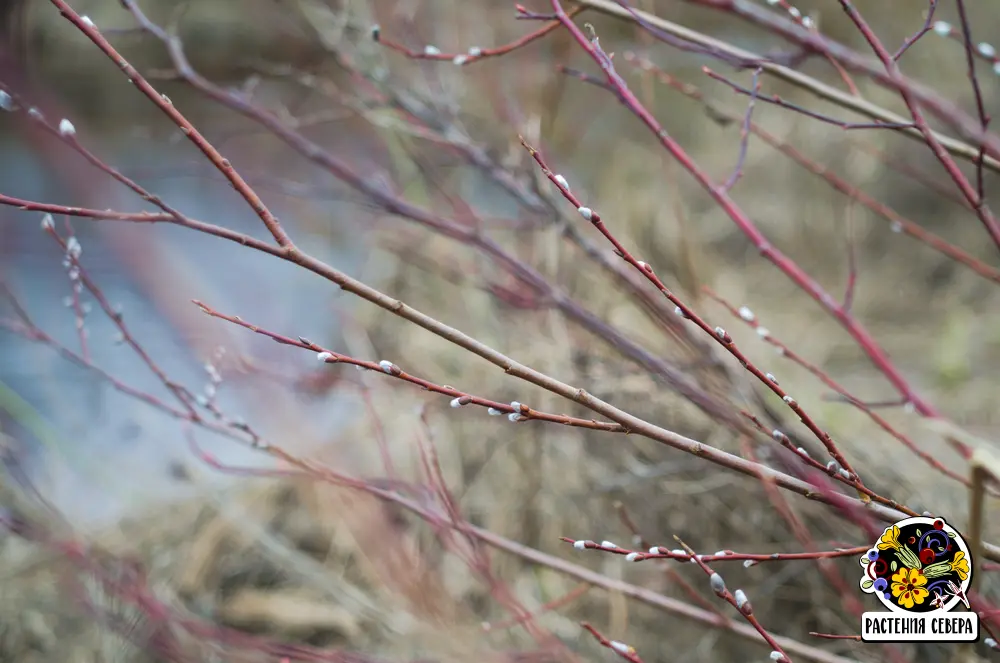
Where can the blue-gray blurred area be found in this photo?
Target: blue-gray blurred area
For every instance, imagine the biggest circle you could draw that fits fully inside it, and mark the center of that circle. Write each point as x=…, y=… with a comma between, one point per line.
x=92, y=450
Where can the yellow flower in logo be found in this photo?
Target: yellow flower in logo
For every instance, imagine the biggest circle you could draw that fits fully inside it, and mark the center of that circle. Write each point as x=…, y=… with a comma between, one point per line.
x=908, y=587
x=960, y=565
x=889, y=539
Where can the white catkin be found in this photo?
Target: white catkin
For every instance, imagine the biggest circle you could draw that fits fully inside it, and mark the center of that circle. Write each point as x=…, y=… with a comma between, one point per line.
x=717, y=583
x=586, y=213
x=621, y=647
x=580, y=545
x=324, y=356
x=73, y=248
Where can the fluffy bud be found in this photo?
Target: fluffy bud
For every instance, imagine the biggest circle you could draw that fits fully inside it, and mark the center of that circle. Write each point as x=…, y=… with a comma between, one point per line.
x=742, y=602
x=621, y=647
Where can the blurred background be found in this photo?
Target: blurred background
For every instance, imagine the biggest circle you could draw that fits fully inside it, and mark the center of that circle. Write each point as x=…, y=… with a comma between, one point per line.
x=296, y=561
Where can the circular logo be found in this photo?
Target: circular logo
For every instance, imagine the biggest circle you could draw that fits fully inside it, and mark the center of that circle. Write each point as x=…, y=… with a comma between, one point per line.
x=918, y=565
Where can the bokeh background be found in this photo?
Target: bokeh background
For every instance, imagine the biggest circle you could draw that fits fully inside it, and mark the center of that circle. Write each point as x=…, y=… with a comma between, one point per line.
x=299, y=561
